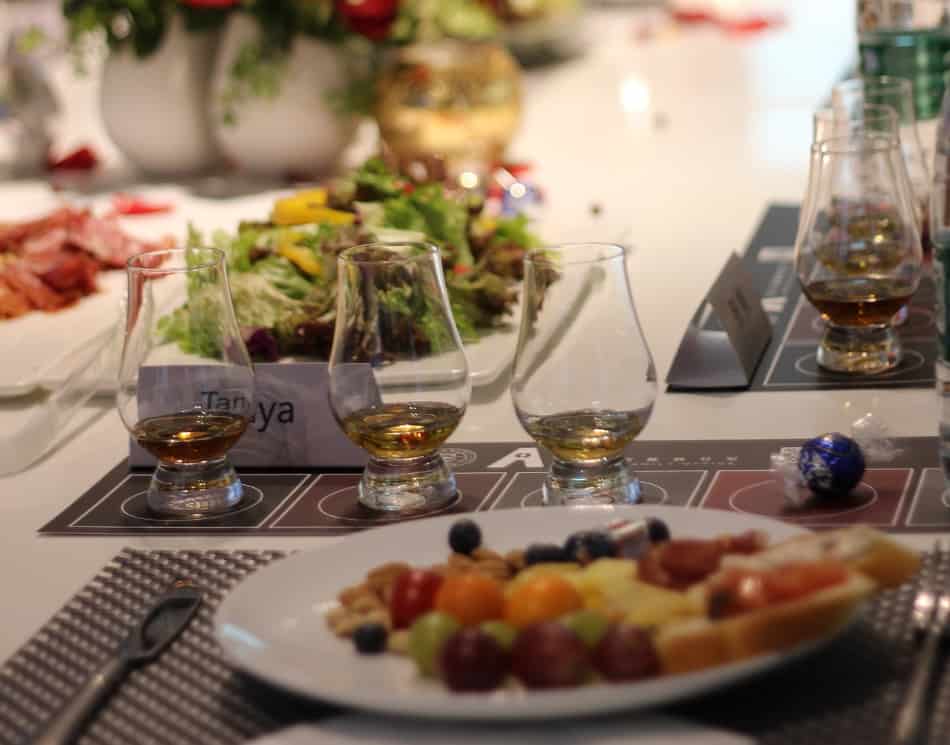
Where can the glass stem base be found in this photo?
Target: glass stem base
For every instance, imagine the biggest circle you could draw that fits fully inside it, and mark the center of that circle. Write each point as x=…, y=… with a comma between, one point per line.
x=411, y=485
x=859, y=350
x=613, y=482
x=194, y=489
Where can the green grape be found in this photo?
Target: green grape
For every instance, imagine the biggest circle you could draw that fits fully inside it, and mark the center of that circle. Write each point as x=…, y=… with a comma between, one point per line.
x=590, y=626
x=427, y=635
x=502, y=632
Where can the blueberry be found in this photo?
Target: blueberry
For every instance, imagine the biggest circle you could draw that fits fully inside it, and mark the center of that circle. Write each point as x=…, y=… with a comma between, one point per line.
x=464, y=537
x=657, y=530
x=543, y=553
x=589, y=545
x=370, y=638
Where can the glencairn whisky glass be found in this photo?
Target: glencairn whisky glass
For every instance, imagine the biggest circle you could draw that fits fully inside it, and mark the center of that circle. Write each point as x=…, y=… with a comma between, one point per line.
x=898, y=94
x=858, y=253
x=859, y=117
x=187, y=407
x=583, y=383
x=399, y=378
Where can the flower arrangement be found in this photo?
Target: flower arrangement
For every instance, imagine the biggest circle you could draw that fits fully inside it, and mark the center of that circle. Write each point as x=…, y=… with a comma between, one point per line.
x=365, y=26
x=142, y=24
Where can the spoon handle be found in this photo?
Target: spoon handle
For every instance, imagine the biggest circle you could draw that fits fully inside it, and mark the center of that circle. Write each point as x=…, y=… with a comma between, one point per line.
x=63, y=728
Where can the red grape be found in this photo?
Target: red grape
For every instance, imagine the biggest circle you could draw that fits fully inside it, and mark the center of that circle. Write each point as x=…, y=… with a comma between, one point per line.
x=626, y=653
x=473, y=661
x=413, y=594
x=547, y=655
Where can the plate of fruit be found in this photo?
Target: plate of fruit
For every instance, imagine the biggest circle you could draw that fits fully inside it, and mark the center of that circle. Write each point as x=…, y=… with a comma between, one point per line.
x=533, y=613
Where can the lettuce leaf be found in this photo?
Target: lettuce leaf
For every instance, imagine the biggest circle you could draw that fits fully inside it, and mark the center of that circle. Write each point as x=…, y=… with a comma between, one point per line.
x=375, y=180
x=514, y=230
x=283, y=276
x=427, y=210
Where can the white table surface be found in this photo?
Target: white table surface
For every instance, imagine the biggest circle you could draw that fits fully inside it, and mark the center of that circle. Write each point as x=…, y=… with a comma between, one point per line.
x=683, y=141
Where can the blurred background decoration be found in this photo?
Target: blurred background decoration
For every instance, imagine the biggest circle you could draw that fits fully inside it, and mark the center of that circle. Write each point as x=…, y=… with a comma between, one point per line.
x=540, y=31
x=30, y=33
x=277, y=87
x=448, y=106
x=155, y=78
x=907, y=39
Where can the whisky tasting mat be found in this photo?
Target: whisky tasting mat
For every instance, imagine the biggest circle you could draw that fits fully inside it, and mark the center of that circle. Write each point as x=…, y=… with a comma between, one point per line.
x=903, y=495
x=848, y=694
x=789, y=363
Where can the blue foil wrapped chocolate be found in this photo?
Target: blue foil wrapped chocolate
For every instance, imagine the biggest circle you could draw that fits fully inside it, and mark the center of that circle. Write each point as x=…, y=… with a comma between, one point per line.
x=831, y=465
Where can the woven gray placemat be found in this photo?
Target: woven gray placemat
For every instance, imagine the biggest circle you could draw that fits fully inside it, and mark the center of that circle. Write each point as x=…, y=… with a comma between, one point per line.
x=846, y=695
x=188, y=696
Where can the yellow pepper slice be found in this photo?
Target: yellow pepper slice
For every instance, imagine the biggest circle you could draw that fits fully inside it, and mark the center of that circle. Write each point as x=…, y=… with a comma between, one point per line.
x=301, y=257
x=306, y=207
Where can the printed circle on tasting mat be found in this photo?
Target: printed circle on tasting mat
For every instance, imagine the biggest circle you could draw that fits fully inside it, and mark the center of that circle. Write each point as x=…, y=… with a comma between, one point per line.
x=343, y=504
x=918, y=316
x=136, y=507
x=945, y=497
x=458, y=457
x=650, y=493
x=763, y=498
x=808, y=365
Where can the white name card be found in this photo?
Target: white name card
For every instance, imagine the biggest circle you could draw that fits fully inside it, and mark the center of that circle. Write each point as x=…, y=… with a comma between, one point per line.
x=292, y=424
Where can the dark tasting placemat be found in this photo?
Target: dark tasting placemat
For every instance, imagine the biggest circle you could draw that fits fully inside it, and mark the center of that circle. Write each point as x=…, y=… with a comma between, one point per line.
x=844, y=695
x=789, y=363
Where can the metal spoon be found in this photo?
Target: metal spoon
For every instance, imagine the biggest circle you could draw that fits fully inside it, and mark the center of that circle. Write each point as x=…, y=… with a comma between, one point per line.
x=164, y=621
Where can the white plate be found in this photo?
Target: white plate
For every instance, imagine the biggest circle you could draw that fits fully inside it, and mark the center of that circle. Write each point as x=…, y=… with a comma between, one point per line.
x=46, y=343
x=273, y=624
x=490, y=356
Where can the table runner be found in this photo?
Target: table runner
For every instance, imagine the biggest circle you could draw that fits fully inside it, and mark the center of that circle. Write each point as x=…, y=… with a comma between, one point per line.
x=846, y=694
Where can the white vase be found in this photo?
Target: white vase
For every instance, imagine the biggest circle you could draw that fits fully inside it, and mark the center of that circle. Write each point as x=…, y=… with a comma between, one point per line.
x=295, y=131
x=155, y=109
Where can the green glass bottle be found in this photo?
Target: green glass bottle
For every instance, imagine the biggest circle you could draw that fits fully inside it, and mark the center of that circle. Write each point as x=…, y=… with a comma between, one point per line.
x=908, y=39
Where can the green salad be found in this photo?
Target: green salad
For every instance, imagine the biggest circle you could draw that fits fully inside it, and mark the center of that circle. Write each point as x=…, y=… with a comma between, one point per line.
x=283, y=271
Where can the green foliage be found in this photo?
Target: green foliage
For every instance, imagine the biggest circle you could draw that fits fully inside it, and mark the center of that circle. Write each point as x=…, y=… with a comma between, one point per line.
x=463, y=19
x=355, y=98
x=256, y=72
x=446, y=220
x=377, y=181
x=514, y=230
x=428, y=20
x=140, y=24
x=401, y=213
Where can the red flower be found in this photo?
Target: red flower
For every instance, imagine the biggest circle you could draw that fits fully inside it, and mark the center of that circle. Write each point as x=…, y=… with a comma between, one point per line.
x=81, y=159
x=371, y=18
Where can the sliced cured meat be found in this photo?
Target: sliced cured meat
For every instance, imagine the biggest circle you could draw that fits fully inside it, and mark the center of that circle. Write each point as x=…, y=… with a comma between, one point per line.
x=104, y=238
x=39, y=295
x=49, y=263
x=12, y=235
x=12, y=302
x=65, y=271
x=50, y=241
